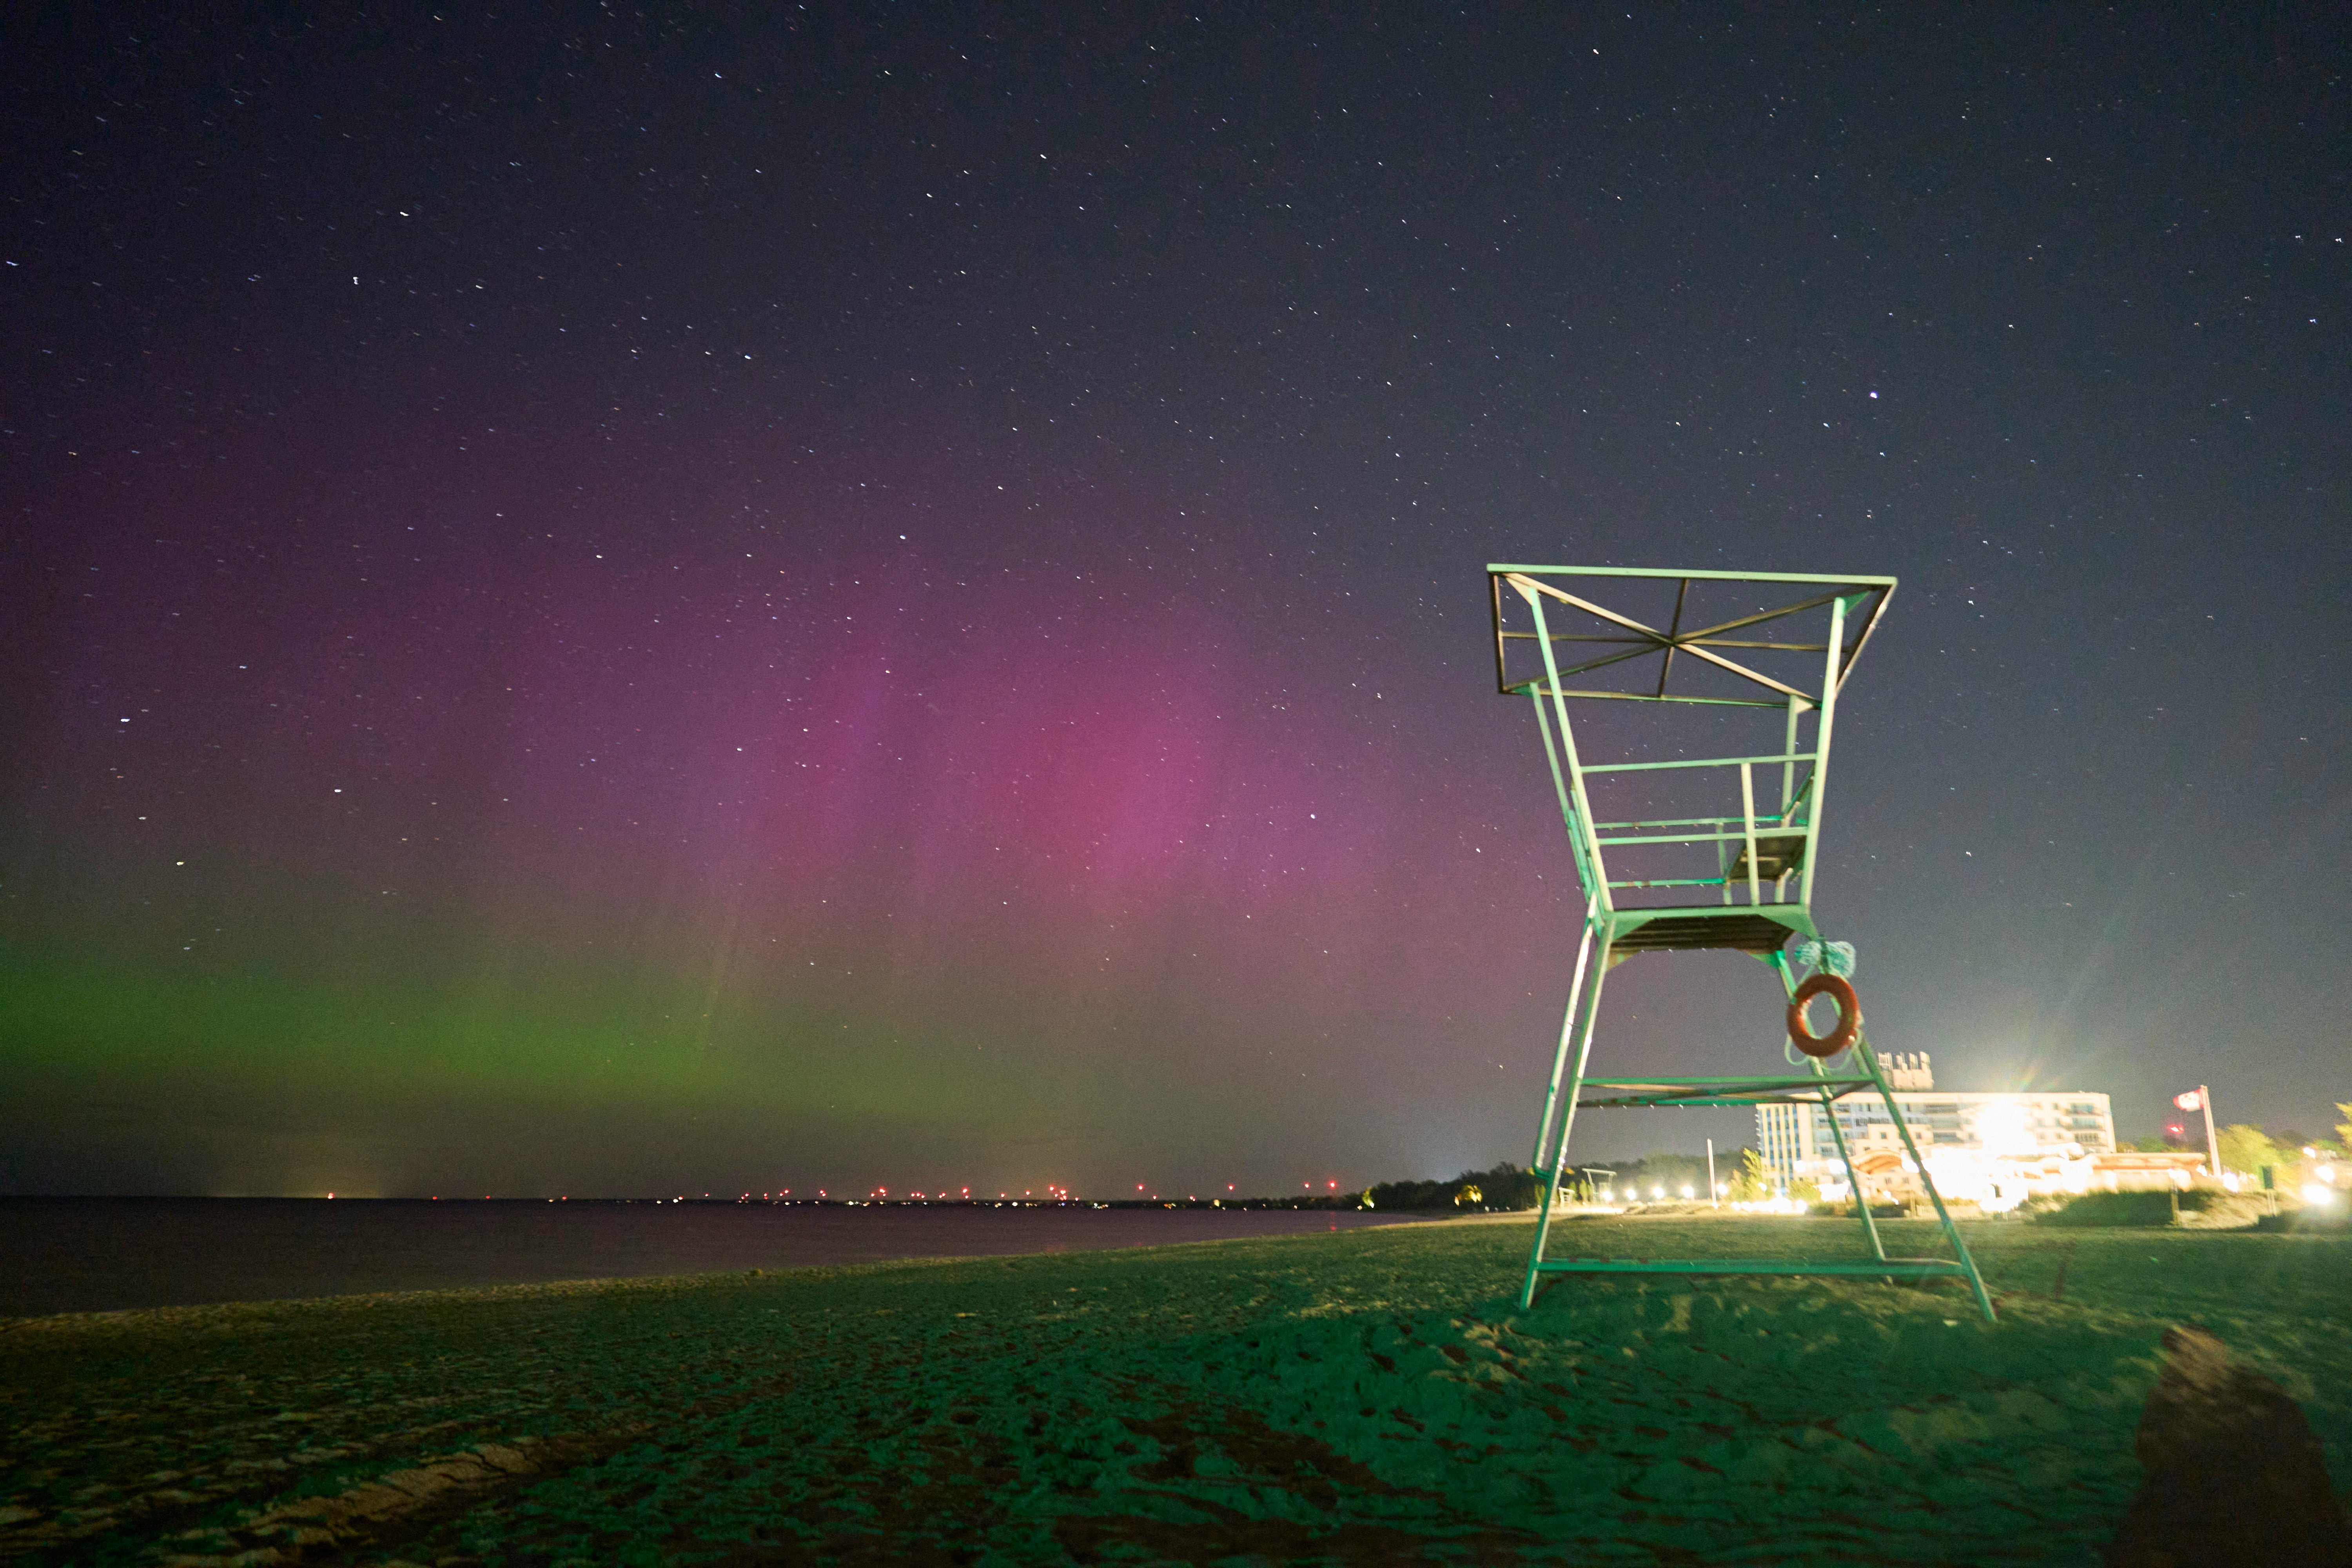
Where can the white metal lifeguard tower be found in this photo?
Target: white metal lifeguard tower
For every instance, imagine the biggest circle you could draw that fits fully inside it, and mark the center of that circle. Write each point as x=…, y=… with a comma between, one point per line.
x=1724, y=689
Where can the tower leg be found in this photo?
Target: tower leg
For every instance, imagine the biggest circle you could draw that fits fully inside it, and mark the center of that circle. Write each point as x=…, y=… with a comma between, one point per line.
x=1559, y=1055
x=1853, y=1177
x=1576, y=1030
x=1951, y=1231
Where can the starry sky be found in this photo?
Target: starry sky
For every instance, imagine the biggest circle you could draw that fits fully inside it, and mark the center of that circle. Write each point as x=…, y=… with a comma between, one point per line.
x=633, y=600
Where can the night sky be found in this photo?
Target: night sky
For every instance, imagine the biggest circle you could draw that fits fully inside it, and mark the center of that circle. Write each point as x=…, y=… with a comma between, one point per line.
x=636, y=601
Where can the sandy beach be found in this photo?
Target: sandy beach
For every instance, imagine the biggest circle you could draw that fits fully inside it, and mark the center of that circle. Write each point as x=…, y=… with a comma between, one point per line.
x=1369, y=1396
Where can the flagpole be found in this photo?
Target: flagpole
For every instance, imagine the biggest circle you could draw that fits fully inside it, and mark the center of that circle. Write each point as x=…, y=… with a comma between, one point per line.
x=2212, y=1144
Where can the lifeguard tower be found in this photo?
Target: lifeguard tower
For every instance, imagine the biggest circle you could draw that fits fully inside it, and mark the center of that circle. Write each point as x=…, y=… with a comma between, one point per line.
x=1720, y=692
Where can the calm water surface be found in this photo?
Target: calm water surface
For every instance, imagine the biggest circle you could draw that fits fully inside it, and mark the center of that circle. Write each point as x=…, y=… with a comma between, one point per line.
x=85, y=1255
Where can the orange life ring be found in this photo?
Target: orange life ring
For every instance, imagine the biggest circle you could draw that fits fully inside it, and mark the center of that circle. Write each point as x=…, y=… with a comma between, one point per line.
x=1849, y=1006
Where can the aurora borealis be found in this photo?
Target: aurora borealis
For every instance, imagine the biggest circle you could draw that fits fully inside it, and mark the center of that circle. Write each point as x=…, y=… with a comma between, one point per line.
x=603, y=603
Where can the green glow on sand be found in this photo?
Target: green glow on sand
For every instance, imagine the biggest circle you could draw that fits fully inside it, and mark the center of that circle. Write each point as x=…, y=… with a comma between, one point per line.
x=1370, y=1396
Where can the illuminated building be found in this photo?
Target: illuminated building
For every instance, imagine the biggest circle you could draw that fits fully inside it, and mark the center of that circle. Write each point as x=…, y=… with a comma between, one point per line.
x=1993, y=1149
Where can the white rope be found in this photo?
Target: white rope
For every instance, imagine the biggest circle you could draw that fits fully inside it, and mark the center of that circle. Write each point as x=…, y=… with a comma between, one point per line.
x=1828, y=957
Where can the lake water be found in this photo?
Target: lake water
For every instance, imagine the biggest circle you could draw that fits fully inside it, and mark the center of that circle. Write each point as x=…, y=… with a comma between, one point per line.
x=85, y=1255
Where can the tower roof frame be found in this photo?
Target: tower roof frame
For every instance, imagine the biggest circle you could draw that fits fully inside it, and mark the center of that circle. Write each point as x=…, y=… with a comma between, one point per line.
x=1637, y=639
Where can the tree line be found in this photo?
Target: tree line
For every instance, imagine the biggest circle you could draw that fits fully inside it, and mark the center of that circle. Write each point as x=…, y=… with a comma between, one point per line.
x=1655, y=1177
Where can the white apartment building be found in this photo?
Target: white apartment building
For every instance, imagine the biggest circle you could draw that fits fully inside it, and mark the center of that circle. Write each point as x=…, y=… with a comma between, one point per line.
x=1962, y=1133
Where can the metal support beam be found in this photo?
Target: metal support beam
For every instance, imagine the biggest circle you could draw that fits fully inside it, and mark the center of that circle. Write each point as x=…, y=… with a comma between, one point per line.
x=1926, y=1177
x=1550, y=1169
x=1567, y=1029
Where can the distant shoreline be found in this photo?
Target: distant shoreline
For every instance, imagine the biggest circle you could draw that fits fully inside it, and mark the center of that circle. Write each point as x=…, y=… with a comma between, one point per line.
x=216, y=1312
x=74, y=1254
x=1345, y=1204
